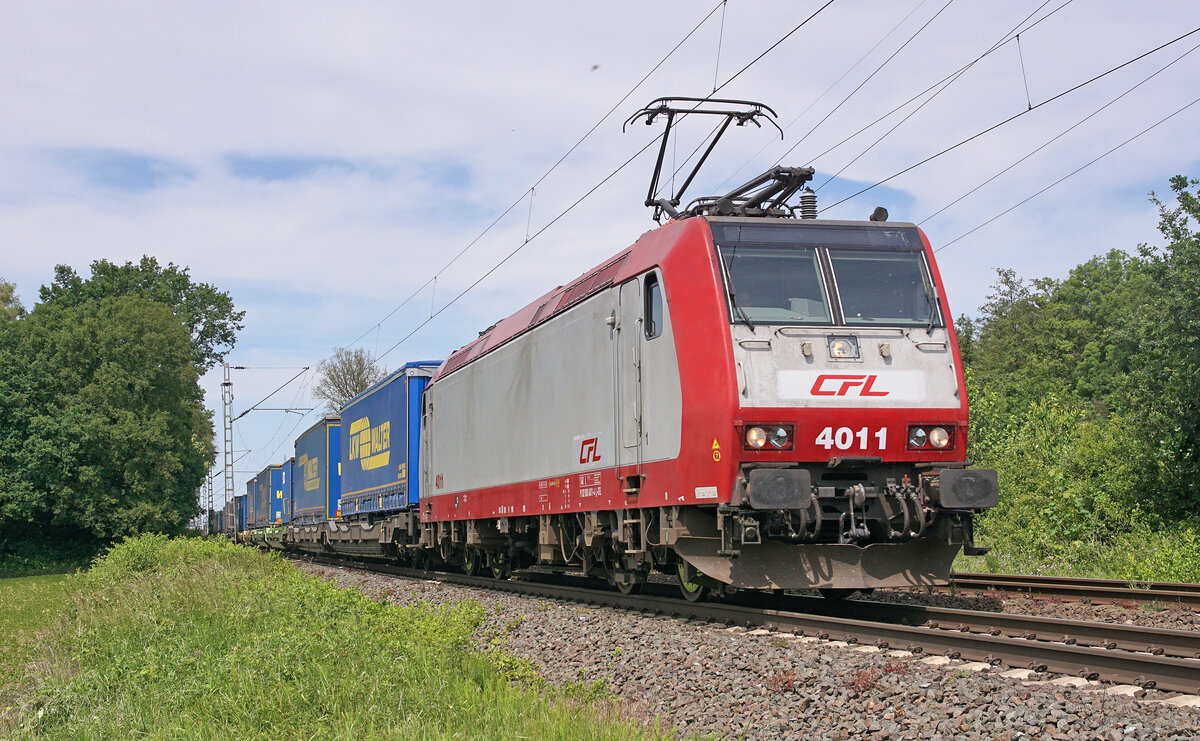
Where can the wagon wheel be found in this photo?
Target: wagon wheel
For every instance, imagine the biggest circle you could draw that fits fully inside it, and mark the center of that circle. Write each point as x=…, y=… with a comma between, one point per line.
x=689, y=585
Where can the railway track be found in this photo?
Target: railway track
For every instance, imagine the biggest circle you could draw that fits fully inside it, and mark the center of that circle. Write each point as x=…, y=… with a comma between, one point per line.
x=1094, y=590
x=1147, y=657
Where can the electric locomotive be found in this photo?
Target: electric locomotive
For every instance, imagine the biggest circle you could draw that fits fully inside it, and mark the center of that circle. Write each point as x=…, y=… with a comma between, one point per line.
x=742, y=398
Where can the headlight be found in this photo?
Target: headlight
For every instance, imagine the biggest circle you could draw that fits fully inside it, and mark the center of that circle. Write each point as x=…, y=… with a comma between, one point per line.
x=756, y=437
x=781, y=437
x=843, y=348
x=917, y=437
x=939, y=436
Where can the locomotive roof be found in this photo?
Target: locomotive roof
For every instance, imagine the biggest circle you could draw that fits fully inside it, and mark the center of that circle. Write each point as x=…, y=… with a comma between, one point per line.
x=613, y=270
x=633, y=261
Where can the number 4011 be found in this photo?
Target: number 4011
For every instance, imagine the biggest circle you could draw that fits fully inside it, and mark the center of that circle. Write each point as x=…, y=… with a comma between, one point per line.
x=845, y=438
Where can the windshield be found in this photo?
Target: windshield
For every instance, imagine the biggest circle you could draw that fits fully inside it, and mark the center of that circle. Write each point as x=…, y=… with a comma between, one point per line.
x=787, y=284
x=770, y=284
x=879, y=287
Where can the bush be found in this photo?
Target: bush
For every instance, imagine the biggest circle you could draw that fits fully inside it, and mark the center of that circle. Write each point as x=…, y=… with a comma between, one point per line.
x=1078, y=495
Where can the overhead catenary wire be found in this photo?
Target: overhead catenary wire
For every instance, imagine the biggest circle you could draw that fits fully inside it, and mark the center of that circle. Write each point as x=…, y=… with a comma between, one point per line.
x=1017, y=30
x=268, y=396
x=772, y=47
x=521, y=246
x=950, y=77
x=720, y=41
x=716, y=89
x=1015, y=116
x=867, y=79
x=1076, y=171
x=1064, y=132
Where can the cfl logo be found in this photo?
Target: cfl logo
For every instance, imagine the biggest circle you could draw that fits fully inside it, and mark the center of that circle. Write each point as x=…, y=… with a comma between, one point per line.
x=841, y=385
x=589, y=451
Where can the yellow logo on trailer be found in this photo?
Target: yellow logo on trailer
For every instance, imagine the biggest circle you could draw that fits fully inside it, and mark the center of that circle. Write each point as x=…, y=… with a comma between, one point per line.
x=370, y=445
x=310, y=468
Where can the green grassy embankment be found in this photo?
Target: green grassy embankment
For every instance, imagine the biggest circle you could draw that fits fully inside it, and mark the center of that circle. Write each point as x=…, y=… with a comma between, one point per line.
x=29, y=606
x=200, y=639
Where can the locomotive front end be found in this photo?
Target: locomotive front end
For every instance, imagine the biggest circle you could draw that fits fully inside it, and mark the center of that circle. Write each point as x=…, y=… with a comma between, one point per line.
x=851, y=411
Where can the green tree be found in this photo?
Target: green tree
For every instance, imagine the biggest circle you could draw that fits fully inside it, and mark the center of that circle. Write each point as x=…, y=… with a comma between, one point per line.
x=1170, y=372
x=1077, y=338
x=10, y=304
x=207, y=313
x=102, y=427
x=346, y=374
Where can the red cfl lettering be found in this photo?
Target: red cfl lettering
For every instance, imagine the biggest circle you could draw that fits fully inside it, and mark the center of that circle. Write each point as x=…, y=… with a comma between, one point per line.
x=589, y=451
x=864, y=383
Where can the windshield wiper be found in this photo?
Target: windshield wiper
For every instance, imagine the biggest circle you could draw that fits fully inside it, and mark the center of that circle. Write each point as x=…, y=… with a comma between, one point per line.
x=738, y=311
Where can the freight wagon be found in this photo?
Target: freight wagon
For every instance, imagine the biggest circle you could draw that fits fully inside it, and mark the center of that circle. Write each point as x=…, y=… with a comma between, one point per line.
x=316, y=485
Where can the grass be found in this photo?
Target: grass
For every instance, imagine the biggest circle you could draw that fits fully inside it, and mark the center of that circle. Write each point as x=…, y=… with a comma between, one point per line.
x=200, y=639
x=1169, y=554
x=29, y=605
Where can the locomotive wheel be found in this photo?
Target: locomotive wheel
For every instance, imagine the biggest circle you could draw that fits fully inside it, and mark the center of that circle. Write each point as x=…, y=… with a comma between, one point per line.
x=836, y=594
x=630, y=587
x=501, y=568
x=692, y=591
x=473, y=563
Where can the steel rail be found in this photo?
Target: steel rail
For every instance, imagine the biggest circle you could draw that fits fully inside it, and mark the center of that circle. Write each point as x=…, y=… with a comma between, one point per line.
x=1095, y=589
x=1165, y=641
x=1171, y=673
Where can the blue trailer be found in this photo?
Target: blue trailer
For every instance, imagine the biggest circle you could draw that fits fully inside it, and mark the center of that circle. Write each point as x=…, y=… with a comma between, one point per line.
x=268, y=510
x=252, y=504
x=241, y=512
x=381, y=447
x=318, y=479
x=289, y=470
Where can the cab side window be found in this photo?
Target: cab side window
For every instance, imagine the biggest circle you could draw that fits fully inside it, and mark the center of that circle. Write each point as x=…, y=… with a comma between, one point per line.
x=654, y=307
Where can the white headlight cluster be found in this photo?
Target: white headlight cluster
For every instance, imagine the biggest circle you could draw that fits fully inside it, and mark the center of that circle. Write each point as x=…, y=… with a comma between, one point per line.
x=921, y=436
x=771, y=437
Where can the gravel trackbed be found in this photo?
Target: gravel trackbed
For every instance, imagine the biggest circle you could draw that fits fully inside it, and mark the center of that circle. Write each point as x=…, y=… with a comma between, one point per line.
x=734, y=683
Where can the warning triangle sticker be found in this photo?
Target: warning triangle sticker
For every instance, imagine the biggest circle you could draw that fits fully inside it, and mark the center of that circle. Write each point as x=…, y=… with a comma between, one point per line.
x=716, y=445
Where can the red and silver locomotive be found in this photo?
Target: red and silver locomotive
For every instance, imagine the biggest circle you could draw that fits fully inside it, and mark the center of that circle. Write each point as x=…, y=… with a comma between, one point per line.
x=741, y=399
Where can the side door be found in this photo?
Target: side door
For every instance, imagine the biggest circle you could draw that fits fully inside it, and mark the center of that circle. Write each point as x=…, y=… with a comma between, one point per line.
x=639, y=318
x=627, y=336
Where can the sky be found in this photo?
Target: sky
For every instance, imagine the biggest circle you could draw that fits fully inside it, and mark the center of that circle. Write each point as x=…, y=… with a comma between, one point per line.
x=399, y=176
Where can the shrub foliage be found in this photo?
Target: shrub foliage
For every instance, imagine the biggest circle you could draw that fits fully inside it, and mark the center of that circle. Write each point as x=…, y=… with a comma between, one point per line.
x=1085, y=396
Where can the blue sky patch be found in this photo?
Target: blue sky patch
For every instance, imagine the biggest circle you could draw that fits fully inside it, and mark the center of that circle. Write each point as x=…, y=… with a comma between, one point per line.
x=122, y=170
x=271, y=169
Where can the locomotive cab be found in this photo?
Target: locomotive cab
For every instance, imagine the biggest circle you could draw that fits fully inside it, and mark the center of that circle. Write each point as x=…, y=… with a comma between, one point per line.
x=851, y=412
